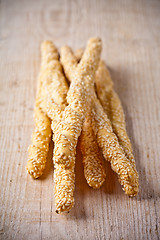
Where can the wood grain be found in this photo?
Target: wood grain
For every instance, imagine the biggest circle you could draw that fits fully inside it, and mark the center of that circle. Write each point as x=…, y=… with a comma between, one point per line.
x=130, y=31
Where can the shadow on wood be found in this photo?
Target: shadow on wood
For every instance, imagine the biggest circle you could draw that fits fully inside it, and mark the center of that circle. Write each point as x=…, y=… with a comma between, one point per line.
x=108, y=186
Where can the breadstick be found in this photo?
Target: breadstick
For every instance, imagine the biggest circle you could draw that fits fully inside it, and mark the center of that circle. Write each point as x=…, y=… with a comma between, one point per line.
x=70, y=127
x=112, y=106
x=51, y=99
x=112, y=151
x=54, y=85
x=92, y=160
x=40, y=138
x=55, y=90
x=40, y=144
x=94, y=171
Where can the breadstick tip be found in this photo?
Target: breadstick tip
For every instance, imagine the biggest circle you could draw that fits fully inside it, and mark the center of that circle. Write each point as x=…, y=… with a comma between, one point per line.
x=94, y=40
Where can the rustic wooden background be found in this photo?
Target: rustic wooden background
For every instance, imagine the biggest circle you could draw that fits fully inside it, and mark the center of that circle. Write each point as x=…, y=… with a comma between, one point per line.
x=130, y=30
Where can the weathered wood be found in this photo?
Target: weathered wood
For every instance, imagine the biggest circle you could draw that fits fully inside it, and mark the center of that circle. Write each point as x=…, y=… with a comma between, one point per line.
x=130, y=31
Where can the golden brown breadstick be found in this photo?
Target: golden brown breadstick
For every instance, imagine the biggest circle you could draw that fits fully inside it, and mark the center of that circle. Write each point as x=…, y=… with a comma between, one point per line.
x=92, y=160
x=40, y=144
x=54, y=85
x=51, y=100
x=113, y=152
x=68, y=130
x=94, y=171
x=111, y=149
x=112, y=106
x=55, y=90
x=40, y=138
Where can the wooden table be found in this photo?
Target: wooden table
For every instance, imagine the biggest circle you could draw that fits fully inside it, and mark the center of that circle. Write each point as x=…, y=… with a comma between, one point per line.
x=130, y=30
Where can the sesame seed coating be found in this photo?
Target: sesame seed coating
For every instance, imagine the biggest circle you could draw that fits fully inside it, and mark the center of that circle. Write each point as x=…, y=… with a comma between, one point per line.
x=41, y=137
x=112, y=106
x=93, y=166
x=113, y=152
x=71, y=112
x=50, y=100
x=55, y=90
x=110, y=101
x=92, y=160
x=70, y=126
x=54, y=85
x=64, y=188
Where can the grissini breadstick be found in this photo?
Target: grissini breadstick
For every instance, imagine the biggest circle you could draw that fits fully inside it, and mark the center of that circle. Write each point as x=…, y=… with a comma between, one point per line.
x=40, y=144
x=55, y=90
x=94, y=171
x=68, y=130
x=41, y=137
x=50, y=101
x=113, y=152
x=111, y=148
x=92, y=160
x=113, y=107
x=54, y=85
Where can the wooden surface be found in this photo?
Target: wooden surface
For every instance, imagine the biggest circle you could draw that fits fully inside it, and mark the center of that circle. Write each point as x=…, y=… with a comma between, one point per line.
x=130, y=31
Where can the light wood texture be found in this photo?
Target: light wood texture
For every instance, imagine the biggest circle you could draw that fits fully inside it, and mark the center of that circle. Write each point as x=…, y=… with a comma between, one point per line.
x=130, y=30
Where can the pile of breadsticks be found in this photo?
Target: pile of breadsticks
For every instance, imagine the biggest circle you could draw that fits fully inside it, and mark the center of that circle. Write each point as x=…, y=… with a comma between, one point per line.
x=88, y=108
